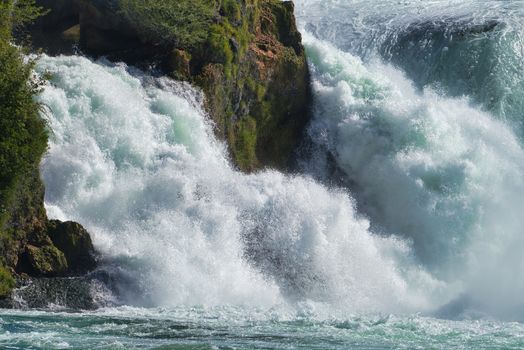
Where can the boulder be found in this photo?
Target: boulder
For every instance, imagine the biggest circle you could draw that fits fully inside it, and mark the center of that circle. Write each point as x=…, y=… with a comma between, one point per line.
x=43, y=261
x=75, y=243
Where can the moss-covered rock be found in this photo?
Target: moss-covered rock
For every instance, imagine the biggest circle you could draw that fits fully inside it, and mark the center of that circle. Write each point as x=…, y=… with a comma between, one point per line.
x=7, y=282
x=259, y=95
x=178, y=64
x=43, y=261
x=246, y=55
x=74, y=241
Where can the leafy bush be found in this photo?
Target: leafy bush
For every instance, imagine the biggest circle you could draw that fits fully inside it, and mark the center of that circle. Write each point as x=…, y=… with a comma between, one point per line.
x=23, y=137
x=22, y=12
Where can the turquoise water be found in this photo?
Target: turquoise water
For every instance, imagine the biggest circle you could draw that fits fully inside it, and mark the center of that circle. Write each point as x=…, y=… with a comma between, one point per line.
x=401, y=229
x=245, y=328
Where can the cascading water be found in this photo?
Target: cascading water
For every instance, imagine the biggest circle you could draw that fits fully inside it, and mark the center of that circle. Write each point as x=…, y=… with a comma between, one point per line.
x=418, y=119
x=445, y=173
x=472, y=48
x=434, y=170
x=134, y=160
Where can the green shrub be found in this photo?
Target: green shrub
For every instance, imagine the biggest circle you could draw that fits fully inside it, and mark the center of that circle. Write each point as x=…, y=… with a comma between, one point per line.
x=23, y=136
x=18, y=13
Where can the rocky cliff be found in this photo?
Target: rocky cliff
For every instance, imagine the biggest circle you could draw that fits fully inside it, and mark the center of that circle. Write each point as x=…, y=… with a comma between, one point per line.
x=246, y=55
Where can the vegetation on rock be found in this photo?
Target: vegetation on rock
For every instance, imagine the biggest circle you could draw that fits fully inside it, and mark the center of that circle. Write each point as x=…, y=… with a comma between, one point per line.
x=23, y=138
x=258, y=89
x=24, y=242
x=72, y=239
x=246, y=55
x=6, y=282
x=181, y=22
x=45, y=261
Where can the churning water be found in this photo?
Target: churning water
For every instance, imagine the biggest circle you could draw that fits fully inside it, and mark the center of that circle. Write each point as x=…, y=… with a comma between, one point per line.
x=407, y=205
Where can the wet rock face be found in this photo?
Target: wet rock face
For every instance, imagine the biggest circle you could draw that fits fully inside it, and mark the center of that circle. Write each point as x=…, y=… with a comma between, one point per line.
x=70, y=293
x=64, y=249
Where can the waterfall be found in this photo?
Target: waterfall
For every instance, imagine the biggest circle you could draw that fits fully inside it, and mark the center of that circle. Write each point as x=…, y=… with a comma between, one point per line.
x=428, y=211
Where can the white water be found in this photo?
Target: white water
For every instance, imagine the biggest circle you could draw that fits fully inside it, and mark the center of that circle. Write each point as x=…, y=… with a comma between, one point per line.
x=458, y=47
x=134, y=160
x=435, y=170
x=438, y=171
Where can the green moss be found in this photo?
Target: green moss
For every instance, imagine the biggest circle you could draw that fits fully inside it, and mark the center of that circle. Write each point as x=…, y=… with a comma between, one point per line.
x=182, y=23
x=245, y=142
x=47, y=260
x=231, y=10
x=7, y=283
x=219, y=44
x=257, y=89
